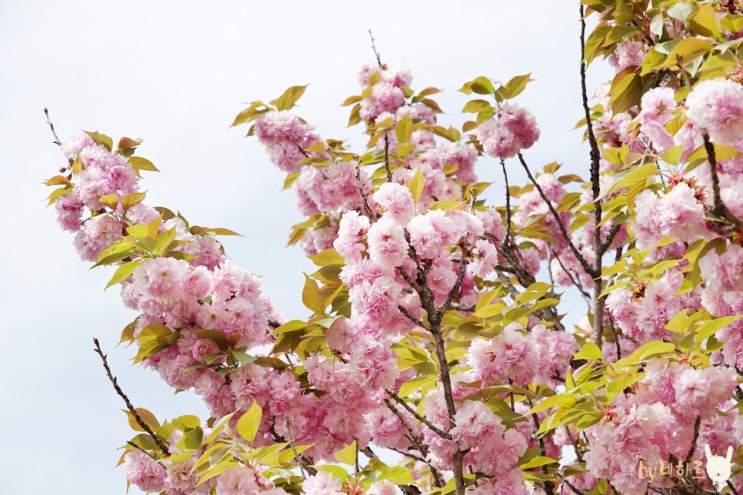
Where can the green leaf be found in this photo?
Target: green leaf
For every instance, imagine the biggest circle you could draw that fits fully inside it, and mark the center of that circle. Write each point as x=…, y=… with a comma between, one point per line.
x=312, y=297
x=347, y=455
x=712, y=327
x=248, y=424
x=287, y=100
x=415, y=185
x=703, y=20
x=638, y=174
x=477, y=106
x=621, y=382
x=146, y=416
x=516, y=85
x=163, y=241
x=101, y=139
x=555, y=400
x=589, y=351
x=191, y=440
x=539, y=461
x=139, y=163
x=626, y=89
x=404, y=129
x=647, y=350
x=481, y=85
x=122, y=272
x=687, y=51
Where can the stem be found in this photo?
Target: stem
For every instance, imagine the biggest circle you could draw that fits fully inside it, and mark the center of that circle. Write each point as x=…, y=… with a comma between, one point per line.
x=588, y=269
x=374, y=49
x=415, y=440
x=719, y=209
x=690, y=454
x=51, y=127
x=387, y=157
x=417, y=416
x=294, y=450
x=364, y=200
x=598, y=286
x=161, y=445
x=508, y=204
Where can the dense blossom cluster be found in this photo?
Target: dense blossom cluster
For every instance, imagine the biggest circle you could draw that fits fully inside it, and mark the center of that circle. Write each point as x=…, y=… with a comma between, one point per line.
x=434, y=329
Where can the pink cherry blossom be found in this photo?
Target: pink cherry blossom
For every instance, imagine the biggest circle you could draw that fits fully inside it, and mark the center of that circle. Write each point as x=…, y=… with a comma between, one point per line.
x=716, y=105
x=512, y=129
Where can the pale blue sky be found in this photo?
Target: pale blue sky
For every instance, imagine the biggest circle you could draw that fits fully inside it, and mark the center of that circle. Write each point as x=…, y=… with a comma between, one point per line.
x=175, y=74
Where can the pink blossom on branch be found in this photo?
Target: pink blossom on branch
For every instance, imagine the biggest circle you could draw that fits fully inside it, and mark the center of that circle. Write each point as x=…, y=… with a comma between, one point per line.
x=512, y=129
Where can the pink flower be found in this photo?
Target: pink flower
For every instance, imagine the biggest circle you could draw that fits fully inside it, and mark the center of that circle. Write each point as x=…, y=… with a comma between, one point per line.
x=322, y=483
x=657, y=106
x=433, y=232
x=512, y=129
x=73, y=145
x=97, y=234
x=350, y=232
x=717, y=106
x=628, y=54
x=69, y=211
x=144, y=472
x=510, y=355
x=237, y=480
x=387, y=245
x=396, y=201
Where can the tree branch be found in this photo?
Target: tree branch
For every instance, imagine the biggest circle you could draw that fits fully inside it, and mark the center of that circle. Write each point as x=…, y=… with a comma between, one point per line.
x=56, y=141
x=584, y=264
x=161, y=445
x=719, y=210
x=417, y=416
x=374, y=49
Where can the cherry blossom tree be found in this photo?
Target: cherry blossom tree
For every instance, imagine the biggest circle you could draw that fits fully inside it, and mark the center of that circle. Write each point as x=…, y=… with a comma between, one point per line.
x=435, y=321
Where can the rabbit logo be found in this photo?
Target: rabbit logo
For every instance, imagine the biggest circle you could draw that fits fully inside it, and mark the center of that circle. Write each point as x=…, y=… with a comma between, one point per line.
x=718, y=467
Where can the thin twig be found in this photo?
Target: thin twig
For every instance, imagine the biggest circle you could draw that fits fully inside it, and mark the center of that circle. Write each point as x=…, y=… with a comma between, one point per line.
x=364, y=201
x=417, y=416
x=409, y=316
x=584, y=264
x=458, y=284
x=598, y=286
x=575, y=282
x=693, y=448
x=374, y=48
x=508, y=203
x=129, y=406
x=719, y=210
x=387, y=157
x=294, y=449
x=51, y=127
x=148, y=454
x=416, y=441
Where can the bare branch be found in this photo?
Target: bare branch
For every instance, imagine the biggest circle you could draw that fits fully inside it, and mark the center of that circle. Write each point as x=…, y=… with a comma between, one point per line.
x=417, y=416
x=161, y=445
x=364, y=200
x=56, y=141
x=583, y=263
x=374, y=48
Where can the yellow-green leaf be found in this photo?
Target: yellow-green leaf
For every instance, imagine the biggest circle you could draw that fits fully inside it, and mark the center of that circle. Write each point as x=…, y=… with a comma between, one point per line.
x=248, y=424
x=626, y=89
x=139, y=163
x=312, y=297
x=122, y=272
x=589, y=351
x=347, y=455
x=703, y=20
x=146, y=416
x=287, y=100
x=415, y=185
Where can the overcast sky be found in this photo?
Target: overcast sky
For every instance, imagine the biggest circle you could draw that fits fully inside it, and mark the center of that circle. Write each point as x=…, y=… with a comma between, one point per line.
x=176, y=74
